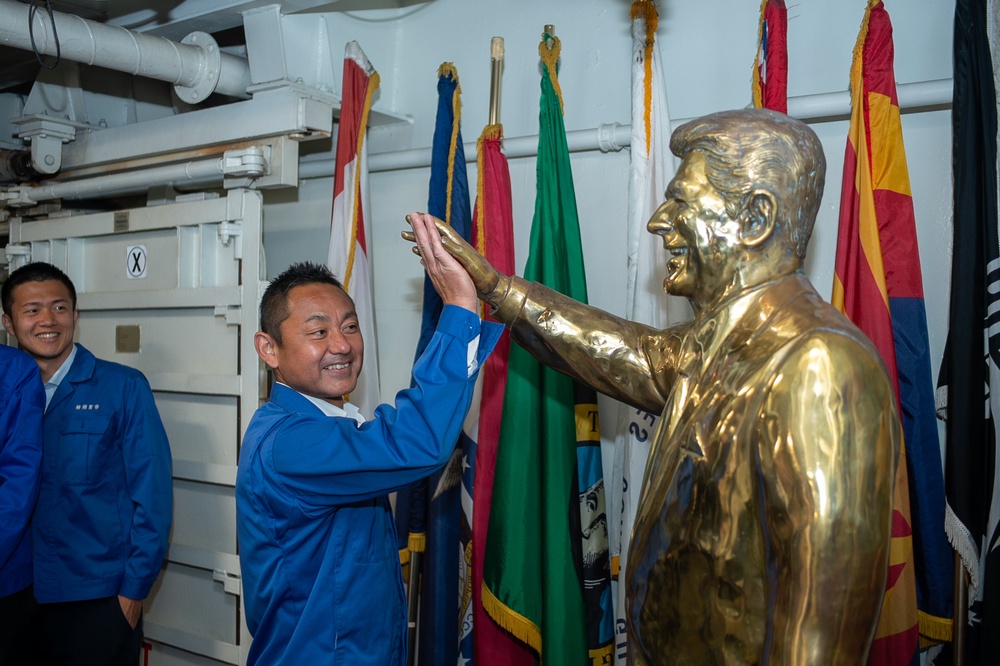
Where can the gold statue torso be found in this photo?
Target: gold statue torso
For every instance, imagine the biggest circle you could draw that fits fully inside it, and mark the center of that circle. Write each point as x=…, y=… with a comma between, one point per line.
x=767, y=495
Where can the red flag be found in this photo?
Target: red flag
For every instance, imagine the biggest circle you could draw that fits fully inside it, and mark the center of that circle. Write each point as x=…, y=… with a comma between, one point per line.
x=493, y=236
x=770, y=67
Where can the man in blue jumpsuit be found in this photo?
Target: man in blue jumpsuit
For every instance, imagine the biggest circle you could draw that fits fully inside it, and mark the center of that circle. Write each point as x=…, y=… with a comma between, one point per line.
x=321, y=574
x=104, y=506
x=21, y=405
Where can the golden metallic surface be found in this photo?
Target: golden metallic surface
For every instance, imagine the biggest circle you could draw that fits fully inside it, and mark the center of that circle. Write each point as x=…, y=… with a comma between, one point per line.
x=763, y=530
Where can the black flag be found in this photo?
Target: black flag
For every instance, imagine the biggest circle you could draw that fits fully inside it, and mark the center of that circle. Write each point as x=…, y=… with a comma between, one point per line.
x=970, y=371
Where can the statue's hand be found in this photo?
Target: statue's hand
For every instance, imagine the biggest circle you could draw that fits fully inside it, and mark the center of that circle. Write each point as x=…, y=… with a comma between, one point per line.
x=484, y=276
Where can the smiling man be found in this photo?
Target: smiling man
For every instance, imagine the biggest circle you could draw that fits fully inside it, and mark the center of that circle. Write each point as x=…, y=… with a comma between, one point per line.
x=763, y=533
x=321, y=573
x=104, y=509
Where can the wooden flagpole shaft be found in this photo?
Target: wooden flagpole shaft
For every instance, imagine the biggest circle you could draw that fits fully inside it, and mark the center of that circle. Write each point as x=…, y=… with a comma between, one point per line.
x=496, y=70
x=959, y=613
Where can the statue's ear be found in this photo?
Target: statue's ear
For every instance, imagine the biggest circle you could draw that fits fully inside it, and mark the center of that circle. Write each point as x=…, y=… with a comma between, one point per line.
x=760, y=218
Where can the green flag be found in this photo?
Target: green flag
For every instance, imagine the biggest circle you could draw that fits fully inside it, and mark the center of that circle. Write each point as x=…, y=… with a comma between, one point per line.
x=546, y=576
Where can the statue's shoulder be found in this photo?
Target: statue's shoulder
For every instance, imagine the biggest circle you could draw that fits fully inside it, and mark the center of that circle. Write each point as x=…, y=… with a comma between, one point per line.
x=830, y=351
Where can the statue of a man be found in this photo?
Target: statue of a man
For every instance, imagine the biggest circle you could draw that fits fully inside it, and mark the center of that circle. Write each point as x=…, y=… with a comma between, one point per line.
x=762, y=534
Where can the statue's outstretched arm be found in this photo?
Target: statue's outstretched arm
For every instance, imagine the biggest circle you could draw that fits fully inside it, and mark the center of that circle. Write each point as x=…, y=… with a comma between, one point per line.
x=625, y=360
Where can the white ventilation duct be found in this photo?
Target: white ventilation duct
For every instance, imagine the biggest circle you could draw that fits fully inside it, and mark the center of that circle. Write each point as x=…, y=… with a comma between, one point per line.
x=195, y=66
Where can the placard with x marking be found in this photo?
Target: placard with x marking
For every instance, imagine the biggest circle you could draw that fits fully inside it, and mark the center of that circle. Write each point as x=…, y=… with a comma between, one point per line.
x=135, y=261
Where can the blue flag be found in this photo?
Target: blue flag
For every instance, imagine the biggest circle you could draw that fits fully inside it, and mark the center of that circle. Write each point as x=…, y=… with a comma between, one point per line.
x=434, y=515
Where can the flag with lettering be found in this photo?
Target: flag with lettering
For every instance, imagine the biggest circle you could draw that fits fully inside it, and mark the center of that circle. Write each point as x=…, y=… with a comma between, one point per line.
x=546, y=567
x=770, y=66
x=349, y=257
x=969, y=380
x=878, y=285
x=493, y=236
x=434, y=515
x=650, y=169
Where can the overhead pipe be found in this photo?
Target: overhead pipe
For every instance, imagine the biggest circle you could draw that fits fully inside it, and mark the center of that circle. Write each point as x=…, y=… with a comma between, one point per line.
x=246, y=163
x=611, y=137
x=196, y=66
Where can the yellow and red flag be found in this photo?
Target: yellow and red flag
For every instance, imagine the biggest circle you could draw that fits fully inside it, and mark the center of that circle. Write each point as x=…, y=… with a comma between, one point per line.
x=878, y=286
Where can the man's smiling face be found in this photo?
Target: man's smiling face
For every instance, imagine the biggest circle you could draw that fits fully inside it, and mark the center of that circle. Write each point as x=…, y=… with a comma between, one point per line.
x=43, y=320
x=321, y=349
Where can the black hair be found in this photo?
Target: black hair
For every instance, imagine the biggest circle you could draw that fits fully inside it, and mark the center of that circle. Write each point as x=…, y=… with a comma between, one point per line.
x=274, y=303
x=37, y=271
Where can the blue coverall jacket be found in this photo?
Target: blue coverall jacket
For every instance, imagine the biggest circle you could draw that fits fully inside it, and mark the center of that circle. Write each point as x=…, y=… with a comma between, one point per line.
x=318, y=553
x=22, y=401
x=104, y=509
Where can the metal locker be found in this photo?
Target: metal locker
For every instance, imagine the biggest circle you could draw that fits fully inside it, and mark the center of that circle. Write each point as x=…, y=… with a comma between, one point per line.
x=173, y=290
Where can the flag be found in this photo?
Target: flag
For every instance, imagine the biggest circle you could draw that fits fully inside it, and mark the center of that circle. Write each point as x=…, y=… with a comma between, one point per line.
x=969, y=381
x=650, y=169
x=348, y=256
x=878, y=285
x=493, y=236
x=770, y=66
x=546, y=570
x=434, y=515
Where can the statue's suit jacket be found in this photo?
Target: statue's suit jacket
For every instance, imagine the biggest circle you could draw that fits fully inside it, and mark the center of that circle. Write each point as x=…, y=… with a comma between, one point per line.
x=763, y=530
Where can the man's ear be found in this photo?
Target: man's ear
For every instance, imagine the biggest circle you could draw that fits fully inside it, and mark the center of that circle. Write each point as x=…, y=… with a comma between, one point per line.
x=761, y=217
x=266, y=348
x=9, y=325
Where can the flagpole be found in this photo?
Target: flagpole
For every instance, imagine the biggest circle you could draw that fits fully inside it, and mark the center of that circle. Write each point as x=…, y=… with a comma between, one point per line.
x=960, y=609
x=496, y=70
x=412, y=610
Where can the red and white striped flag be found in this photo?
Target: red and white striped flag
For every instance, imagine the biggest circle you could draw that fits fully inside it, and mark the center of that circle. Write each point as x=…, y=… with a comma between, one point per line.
x=349, y=251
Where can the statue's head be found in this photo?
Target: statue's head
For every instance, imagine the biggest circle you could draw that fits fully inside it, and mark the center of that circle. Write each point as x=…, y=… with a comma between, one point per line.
x=742, y=205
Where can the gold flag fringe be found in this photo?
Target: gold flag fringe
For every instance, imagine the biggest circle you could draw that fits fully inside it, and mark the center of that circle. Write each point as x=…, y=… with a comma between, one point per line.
x=417, y=542
x=512, y=622
x=933, y=629
x=758, y=93
x=490, y=132
x=646, y=10
x=448, y=70
x=373, y=83
x=857, y=63
x=551, y=57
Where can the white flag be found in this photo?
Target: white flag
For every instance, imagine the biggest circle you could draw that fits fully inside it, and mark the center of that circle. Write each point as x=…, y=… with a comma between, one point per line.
x=651, y=169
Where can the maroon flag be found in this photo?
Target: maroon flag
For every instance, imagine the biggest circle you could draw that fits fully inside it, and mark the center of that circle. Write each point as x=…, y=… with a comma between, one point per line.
x=770, y=67
x=493, y=236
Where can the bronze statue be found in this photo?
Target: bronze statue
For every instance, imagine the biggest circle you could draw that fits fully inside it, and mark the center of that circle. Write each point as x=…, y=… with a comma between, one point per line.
x=763, y=531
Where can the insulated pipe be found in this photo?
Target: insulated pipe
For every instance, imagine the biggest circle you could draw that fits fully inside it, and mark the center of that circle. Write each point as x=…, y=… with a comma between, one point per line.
x=196, y=67
x=123, y=183
x=614, y=136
